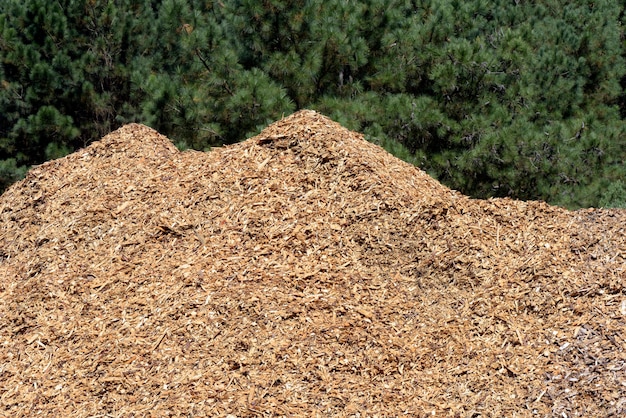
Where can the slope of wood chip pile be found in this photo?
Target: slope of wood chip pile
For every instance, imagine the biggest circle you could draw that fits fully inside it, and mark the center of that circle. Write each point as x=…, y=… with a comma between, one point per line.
x=303, y=272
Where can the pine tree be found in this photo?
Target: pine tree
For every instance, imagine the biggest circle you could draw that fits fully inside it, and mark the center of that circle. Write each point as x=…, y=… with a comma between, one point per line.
x=501, y=98
x=64, y=76
x=206, y=97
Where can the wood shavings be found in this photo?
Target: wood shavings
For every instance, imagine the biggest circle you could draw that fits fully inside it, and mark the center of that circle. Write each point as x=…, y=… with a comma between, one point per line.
x=303, y=272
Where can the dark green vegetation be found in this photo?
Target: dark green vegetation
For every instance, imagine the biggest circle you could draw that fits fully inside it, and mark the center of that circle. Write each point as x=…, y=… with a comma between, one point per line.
x=494, y=98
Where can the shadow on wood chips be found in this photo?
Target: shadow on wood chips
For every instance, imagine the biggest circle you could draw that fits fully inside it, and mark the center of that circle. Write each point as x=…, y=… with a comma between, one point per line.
x=304, y=272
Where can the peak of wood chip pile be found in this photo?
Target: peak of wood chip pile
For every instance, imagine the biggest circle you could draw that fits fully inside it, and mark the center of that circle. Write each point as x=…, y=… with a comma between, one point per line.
x=304, y=272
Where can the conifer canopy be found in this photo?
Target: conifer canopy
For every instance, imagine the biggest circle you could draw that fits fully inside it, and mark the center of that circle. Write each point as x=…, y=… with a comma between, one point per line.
x=498, y=98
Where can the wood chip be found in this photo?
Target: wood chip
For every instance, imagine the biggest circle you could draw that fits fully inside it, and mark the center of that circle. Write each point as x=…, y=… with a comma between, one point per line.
x=304, y=272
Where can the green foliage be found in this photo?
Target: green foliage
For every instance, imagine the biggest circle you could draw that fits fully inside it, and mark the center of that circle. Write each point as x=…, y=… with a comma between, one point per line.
x=500, y=98
x=614, y=196
x=10, y=172
x=63, y=76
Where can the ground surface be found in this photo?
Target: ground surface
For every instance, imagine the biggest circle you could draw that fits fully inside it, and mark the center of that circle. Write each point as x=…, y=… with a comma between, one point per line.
x=304, y=272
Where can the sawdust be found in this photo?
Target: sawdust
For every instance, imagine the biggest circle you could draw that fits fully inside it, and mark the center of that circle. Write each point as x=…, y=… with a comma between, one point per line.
x=303, y=272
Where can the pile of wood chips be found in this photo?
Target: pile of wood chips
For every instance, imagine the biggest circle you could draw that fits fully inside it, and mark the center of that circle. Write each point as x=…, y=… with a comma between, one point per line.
x=302, y=273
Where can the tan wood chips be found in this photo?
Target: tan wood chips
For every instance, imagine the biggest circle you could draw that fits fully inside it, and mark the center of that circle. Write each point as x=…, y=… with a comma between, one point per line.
x=302, y=273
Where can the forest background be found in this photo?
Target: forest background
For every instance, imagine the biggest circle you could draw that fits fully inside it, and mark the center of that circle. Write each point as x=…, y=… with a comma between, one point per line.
x=493, y=98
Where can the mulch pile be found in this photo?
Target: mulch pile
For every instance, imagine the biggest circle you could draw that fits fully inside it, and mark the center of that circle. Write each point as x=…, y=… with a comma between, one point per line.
x=304, y=272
